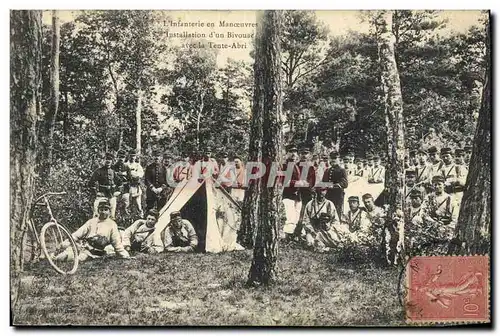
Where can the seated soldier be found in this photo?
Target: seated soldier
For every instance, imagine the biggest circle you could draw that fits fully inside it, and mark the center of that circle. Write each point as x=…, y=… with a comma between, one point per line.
x=357, y=224
x=414, y=215
x=442, y=212
x=94, y=236
x=179, y=235
x=376, y=216
x=139, y=236
x=320, y=216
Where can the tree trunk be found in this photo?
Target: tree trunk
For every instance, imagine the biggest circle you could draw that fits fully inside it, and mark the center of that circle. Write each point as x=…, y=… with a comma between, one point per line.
x=198, y=119
x=263, y=270
x=473, y=230
x=51, y=115
x=25, y=104
x=395, y=130
x=138, y=121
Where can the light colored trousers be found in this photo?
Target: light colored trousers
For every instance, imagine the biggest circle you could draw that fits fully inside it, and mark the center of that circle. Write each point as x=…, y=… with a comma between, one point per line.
x=292, y=213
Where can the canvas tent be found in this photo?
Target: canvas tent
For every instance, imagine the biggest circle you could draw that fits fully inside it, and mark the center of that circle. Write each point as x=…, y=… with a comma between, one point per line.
x=213, y=213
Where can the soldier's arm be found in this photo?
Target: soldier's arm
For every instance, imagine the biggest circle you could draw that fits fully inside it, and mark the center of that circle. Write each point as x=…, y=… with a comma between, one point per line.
x=193, y=237
x=116, y=242
x=343, y=179
x=94, y=181
x=157, y=244
x=129, y=232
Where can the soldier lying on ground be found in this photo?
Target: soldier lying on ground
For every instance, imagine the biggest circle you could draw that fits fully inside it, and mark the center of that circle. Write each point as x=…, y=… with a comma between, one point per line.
x=93, y=236
x=139, y=236
x=179, y=235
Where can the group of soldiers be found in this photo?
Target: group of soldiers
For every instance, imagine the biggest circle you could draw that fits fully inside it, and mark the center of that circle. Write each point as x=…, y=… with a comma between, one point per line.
x=435, y=180
x=311, y=212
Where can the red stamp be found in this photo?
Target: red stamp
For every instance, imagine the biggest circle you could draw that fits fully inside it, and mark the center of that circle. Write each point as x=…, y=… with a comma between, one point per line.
x=448, y=289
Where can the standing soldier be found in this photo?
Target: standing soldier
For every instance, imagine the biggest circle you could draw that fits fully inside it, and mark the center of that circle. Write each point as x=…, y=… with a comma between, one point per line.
x=436, y=163
x=291, y=196
x=460, y=161
x=156, y=183
x=206, y=166
x=376, y=173
x=104, y=182
x=337, y=176
x=306, y=174
x=410, y=182
x=414, y=214
x=360, y=169
x=136, y=174
x=238, y=188
x=122, y=170
x=184, y=171
x=424, y=171
x=413, y=159
x=467, y=154
x=454, y=180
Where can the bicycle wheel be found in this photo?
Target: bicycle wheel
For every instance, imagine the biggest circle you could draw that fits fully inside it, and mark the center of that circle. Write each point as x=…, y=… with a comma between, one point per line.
x=51, y=237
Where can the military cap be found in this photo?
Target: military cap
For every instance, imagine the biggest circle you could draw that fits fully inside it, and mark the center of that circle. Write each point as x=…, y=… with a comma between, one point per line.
x=353, y=199
x=291, y=148
x=208, y=149
x=358, y=159
x=369, y=157
x=320, y=189
x=446, y=150
x=324, y=157
x=157, y=152
x=109, y=156
x=422, y=151
x=459, y=152
x=153, y=212
x=417, y=192
x=175, y=214
x=438, y=178
x=468, y=148
x=432, y=150
x=410, y=172
x=104, y=203
x=121, y=153
x=412, y=152
x=367, y=196
x=223, y=155
x=305, y=149
x=376, y=157
x=334, y=155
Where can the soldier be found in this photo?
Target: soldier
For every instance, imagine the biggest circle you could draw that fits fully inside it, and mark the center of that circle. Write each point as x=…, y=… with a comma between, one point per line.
x=325, y=161
x=460, y=161
x=410, y=182
x=104, y=182
x=467, y=154
x=435, y=160
x=376, y=174
x=337, y=176
x=349, y=165
x=454, y=180
x=206, y=167
x=308, y=178
x=414, y=163
x=360, y=169
x=291, y=196
x=441, y=210
x=93, y=236
x=238, y=188
x=414, y=214
x=136, y=174
x=376, y=216
x=122, y=170
x=156, y=183
x=179, y=235
x=358, y=225
x=424, y=171
x=320, y=219
x=183, y=171
x=138, y=237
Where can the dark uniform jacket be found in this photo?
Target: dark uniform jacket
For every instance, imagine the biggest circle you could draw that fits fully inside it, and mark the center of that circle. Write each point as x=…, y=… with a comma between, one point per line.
x=124, y=180
x=307, y=192
x=104, y=180
x=336, y=174
x=156, y=175
x=290, y=191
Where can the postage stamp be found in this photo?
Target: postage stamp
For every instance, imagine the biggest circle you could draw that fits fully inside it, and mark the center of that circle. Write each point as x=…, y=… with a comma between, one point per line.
x=448, y=289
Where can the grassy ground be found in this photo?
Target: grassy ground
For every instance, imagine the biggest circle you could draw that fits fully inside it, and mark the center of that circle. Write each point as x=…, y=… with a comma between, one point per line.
x=207, y=289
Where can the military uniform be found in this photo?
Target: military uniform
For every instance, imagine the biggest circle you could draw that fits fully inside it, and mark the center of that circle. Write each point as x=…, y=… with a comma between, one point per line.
x=320, y=219
x=436, y=164
x=104, y=183
x=124, y=175
x=156, y=178
x=183, y=237
x=338, y=177
x=139, y=236
x=442, y=213
x=376, y=174
x=454, y=180
x=291, y=199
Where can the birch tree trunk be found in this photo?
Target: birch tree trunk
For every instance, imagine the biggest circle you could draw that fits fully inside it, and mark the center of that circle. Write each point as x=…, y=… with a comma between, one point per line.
x=25, y=105
x=138, y=121
x=473, y=230
x=395, y=180
x=268, y=91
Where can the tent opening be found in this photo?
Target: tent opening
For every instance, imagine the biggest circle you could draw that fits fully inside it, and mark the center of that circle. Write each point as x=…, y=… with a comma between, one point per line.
x=195, y=210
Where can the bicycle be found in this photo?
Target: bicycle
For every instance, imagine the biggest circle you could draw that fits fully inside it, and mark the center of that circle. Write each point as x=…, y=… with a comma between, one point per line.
x=52, y=234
